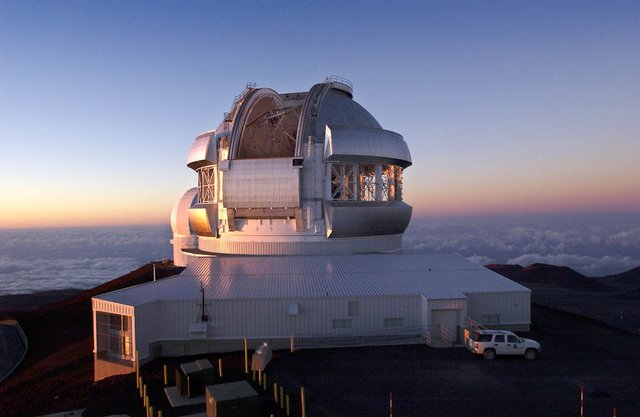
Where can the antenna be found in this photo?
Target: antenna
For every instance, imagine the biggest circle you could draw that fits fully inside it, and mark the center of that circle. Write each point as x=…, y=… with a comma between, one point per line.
x=203, y=307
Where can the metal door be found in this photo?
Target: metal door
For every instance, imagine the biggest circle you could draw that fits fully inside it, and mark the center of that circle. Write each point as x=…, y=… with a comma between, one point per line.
x=447, y=319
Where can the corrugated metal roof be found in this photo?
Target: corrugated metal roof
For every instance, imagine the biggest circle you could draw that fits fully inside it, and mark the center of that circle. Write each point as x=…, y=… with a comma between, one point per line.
x=250, y=277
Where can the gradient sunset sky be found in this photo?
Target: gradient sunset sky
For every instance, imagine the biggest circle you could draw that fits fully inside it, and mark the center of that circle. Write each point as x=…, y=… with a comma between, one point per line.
x=508, y=107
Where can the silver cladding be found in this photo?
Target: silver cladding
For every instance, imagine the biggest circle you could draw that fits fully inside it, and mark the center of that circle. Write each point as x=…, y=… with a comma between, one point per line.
x=434, y=276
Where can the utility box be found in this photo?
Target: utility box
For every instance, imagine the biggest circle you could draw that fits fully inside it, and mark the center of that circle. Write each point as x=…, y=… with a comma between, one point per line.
x=235, y=399
x=189, y=380
x=261, y=357
x=208, y=373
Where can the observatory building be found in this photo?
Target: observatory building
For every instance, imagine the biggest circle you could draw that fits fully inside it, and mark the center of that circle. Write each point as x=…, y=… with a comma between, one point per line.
x=294, y=231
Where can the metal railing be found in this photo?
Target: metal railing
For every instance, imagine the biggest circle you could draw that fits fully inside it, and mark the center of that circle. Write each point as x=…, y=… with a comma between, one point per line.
x=250, y=86
x=473, y=325
x=340, y=80
x=388, y=337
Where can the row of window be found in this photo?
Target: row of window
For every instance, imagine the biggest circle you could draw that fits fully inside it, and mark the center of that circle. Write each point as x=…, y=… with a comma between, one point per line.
x=490, y=319
x=365, y=182
x=388, y=322
x=114, y=337
x=349, y=182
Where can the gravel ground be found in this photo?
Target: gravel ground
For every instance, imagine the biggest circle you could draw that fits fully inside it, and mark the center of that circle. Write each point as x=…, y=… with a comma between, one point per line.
x=452, y=382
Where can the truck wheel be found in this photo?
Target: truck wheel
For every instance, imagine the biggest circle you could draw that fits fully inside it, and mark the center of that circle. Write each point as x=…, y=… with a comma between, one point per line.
x=530, y=354
x=489, y=354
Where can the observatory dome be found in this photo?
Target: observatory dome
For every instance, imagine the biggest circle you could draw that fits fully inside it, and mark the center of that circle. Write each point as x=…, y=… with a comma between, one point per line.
x=296, y=173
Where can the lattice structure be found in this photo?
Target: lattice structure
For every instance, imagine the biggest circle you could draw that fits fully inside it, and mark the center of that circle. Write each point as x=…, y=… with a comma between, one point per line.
x=279, y=126
x=343, y=181
x=367, y=182
x=207, y=184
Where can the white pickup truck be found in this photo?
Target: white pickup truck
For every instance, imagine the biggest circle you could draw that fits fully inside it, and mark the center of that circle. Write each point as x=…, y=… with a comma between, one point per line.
x=490, y=343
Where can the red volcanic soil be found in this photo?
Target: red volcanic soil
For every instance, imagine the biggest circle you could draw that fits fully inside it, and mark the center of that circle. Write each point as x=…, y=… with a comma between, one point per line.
x=57, y=372
x=612, y=299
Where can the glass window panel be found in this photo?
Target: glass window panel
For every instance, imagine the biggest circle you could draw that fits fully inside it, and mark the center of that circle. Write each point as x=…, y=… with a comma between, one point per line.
x=114, y=338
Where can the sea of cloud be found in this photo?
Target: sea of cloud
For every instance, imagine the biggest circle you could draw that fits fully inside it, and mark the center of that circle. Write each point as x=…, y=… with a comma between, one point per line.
x=49, y=259
x=593, y=245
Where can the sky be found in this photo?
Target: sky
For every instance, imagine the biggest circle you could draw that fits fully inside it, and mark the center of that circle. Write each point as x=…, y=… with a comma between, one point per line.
x=508, y=107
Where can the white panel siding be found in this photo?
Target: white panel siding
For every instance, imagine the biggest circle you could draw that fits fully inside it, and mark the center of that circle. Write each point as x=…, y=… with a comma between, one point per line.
x=235, y=319
x=513, y=307
x=262, y=183
x=314, y=246
x=111, y=307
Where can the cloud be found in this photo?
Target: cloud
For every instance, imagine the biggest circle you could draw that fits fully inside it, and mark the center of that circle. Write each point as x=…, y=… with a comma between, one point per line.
x=588, y=245
x=630, y=238
x=21, y=276
x=481, y=260
x=49, y=259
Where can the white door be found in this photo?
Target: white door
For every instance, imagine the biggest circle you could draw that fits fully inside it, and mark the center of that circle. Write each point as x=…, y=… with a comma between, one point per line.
x=514, y=345
x=500, y=344
x=447, y=319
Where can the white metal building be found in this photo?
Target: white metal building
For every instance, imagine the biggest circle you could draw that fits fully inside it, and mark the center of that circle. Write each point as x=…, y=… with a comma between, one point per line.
x=295, y=230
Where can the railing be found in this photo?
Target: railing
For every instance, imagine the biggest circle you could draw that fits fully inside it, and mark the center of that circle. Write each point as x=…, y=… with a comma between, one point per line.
x=473, y=325
x=250, y=86
x=389, y=337
x=339, y=79
x=343, y=82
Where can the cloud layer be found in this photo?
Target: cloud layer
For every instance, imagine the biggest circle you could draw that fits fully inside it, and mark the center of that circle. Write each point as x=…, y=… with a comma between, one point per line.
x=49, y=259
x=590, y=246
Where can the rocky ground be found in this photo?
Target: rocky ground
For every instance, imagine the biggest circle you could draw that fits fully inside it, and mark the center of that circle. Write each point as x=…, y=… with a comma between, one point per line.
x=611, y=299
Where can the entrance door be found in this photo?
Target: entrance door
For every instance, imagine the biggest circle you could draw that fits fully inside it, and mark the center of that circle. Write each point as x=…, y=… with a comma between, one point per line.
x=447, y=319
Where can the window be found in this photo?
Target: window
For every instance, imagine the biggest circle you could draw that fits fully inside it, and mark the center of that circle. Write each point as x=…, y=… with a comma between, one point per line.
x=490, y=318
x=484, y=338
x=393, y=322
x=398, y=184
x=354, y=308
x=512, y=339
x=207, y=185
x=367, y=182
x=343, y=181
x=114, y=338
x=499, y=338
x=342, y=323
x=387, y=183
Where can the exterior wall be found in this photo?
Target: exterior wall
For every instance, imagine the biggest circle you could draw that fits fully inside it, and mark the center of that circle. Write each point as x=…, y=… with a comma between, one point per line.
x=270, y=319
x=270, y=182
x=316, y=244
x=102, y=368
x=113, y=308
x=459, y=305
x=514, y=308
